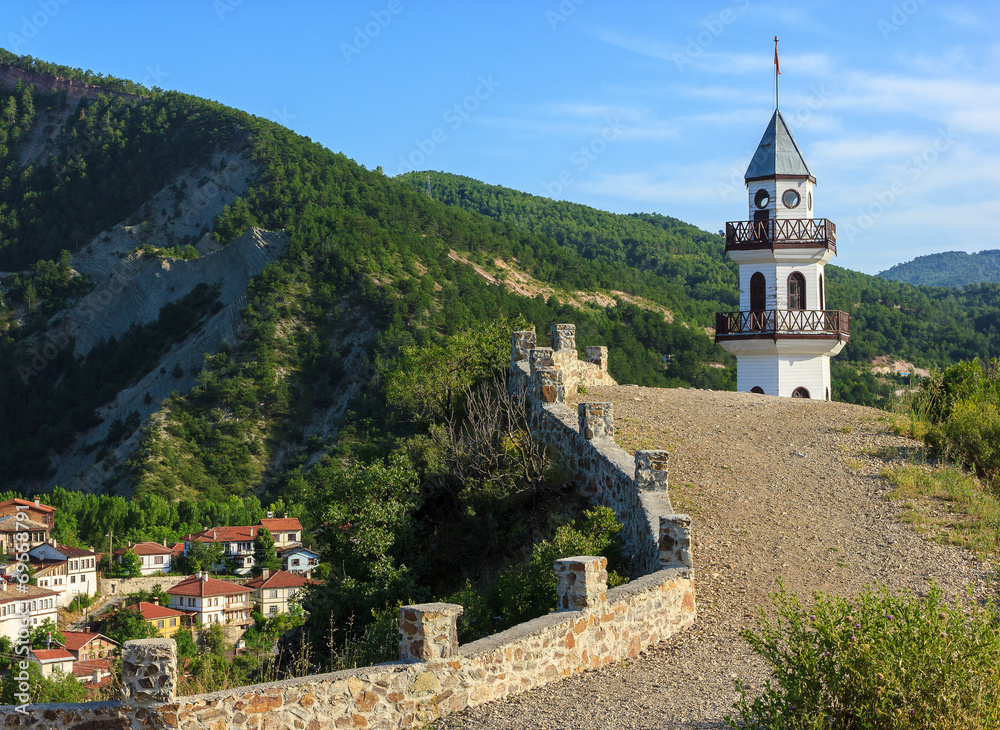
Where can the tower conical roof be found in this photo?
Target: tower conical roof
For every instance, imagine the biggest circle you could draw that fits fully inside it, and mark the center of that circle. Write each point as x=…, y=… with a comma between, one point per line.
x=778, y=154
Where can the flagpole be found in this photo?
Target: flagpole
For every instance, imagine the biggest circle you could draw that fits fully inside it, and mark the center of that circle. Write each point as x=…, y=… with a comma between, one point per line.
x=776, y=72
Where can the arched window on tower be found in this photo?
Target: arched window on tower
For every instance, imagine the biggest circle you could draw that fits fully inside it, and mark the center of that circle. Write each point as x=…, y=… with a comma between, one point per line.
x=796, y=291
x=758, y=292
x=822, y=299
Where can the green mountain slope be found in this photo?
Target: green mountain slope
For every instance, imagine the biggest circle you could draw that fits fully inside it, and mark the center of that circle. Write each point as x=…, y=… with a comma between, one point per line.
x=949, y=268
x=232, y=386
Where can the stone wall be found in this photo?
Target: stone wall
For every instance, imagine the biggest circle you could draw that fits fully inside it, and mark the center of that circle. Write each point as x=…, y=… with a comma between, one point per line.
x=634, y=487
x=124, y=586
x=435, y=677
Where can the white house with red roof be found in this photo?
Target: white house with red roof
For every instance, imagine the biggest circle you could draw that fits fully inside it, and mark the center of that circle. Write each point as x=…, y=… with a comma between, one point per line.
x=286, y=531
x=67, y=570
x=13, y=527
x=153, y=557
x=212, y=601
x=52, y=660
x=237, y=540
x=25, y=606
x=273, y=590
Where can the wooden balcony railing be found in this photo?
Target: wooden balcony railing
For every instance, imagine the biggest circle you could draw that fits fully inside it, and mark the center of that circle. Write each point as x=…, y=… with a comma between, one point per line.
x=776, y=323
x=778, y=234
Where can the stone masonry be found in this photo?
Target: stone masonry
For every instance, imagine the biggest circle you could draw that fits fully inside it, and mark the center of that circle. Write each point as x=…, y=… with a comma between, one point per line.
x=594, y=627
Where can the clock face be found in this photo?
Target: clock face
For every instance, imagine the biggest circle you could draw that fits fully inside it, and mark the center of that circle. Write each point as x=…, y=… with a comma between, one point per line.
x=790, y=199
x=762, y=198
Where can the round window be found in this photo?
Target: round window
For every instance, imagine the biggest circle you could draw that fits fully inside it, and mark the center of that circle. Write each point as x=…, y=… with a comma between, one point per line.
x=791, y=199
x=762, y=198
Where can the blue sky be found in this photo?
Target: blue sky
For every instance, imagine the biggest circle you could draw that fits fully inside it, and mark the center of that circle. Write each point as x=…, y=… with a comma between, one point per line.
x=624, y=106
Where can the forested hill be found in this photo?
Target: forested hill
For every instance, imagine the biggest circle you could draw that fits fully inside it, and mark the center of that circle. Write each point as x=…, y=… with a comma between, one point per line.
x=930, y=327
x=949, y=268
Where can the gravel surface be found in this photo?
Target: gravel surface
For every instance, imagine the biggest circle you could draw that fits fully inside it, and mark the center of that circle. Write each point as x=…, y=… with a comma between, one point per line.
x=776, y=487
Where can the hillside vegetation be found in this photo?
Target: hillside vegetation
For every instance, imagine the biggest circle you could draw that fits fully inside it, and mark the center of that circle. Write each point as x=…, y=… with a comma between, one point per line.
x=948, y=268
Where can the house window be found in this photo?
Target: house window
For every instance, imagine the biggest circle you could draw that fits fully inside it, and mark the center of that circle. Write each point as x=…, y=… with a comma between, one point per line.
x=158, y=560
x=272, y=594
x=72, y=579
x=159, y=624
x=173, y=622
x=274, y=609
x=291, y=537
x=295, y=561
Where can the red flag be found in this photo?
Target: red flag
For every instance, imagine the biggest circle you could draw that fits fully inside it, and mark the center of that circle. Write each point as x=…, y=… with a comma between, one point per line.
x=777, y=68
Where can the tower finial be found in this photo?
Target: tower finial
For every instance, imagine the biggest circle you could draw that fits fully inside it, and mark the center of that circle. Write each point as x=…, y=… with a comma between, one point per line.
x=777, y=72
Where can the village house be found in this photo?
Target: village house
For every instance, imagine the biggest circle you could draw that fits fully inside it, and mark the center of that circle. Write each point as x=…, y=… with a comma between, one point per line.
x=12, y=525
x=237, y=541
x=273, y=591
x=35, y=511
x=165, y=621
x=89, y=645
x=153, y=557
x=67, y=570
x=26, y=603
x=212, y=601
x=54, y=660
x=300, y=560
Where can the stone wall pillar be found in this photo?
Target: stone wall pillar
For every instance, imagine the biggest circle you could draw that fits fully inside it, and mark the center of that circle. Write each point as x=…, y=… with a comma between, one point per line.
x=597, y=420
x=675, y=542
x=539, y=357
x=548, y=385
x=598, y=355
x=583, y=582
x=651, y=470
x=149, y=672
x=564, y=338
x=521, y=343
x=428, y=631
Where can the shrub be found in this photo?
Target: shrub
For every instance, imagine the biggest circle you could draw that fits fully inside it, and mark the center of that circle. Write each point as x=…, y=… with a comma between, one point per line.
x=884, y=661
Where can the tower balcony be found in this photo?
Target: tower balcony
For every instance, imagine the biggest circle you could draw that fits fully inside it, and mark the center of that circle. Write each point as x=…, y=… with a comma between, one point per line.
x=781, y=233
x=791, y=324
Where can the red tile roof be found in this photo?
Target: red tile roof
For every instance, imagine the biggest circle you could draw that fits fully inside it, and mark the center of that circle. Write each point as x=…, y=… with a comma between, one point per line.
x=277, y=579
x=236, y=533
x=282, y=524
x=146, y=548
x=25, y=503
x=11, y=523
x=152, y=611
x=14, y=592
x=51, y=655
x=85, y=669
x=76, y=640
x=195, y=586
x=74, y=552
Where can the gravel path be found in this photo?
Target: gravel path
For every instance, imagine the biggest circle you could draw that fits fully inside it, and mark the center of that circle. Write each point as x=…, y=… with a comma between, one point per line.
x=776, y=487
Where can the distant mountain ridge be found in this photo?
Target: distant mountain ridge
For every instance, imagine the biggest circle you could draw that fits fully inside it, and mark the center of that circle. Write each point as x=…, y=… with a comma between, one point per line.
x=949, y=268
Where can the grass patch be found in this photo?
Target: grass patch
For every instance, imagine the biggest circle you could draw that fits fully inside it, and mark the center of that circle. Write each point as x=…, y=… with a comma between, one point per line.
x=948, y=505
x=854, y=464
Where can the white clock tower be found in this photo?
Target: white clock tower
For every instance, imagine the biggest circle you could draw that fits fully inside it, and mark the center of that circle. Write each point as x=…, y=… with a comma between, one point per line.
x=783, y=336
